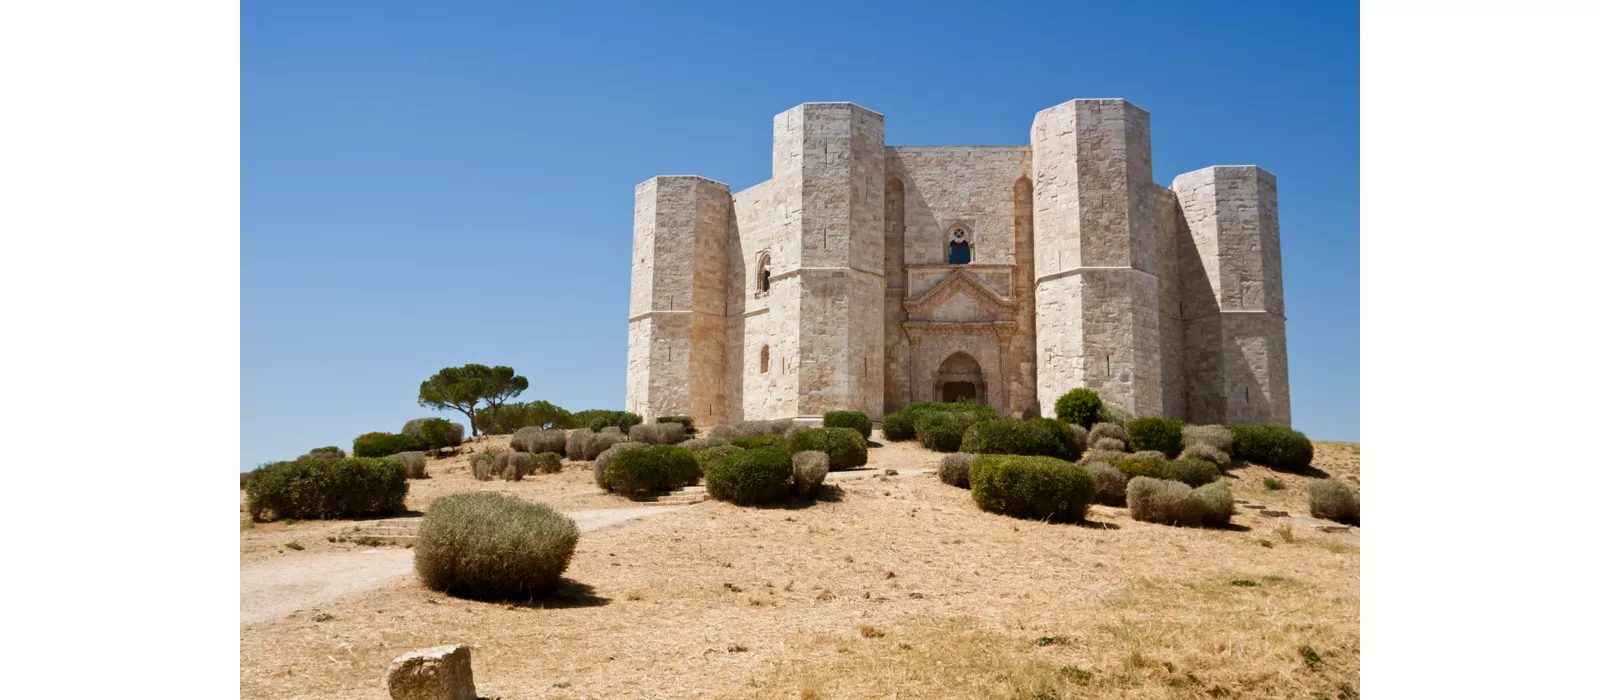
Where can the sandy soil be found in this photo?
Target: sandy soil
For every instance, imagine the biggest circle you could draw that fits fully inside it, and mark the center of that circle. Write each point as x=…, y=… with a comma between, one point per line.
x=891, y=587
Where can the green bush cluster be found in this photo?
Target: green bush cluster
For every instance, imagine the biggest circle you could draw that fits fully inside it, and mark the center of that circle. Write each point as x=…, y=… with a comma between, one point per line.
x=597, y=419
x=750, y=477
x=1332, y=500
x=686, y=421
x=1079, y=406
x=602, y=461
x=546, y=462
x=854, y=420
x=955, y=469
x=327, y=489
x=1149, y=463
x=902, y=424
x=1009, y=436
x=810, y=469
x=657, y=433
x=511, y=417
x=438, y=433
x=845, y=447
x=329, y=450
x=752, y=428
x=1194, y=472
x=943, y=430
x=1163, y=435
x=490, y=546
x=1275, y=446
x=1031, y=487
x=706, y=455
x=757, y=441
x=384, y=444
x=1173, y=503
x=698, y=444
x=636, y=473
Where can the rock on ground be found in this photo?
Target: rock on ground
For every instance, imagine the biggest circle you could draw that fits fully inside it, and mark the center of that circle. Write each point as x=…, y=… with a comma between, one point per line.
x=435, y=673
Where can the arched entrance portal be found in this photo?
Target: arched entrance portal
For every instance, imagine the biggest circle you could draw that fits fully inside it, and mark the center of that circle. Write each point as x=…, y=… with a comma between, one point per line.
x=959, y=377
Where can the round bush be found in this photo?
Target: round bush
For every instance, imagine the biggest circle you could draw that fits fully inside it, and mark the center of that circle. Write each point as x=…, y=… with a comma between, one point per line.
x=1217, y=437
x=602, y=461
x=438, y=433
x=1110, y=445
x=535, y=440
x=682, y=468
x=329, y=450
x=943, y=431
x=657, y=433
x=698, y=444
x=705, y=456
x=482, y=466
x=1031, y=487
x=1332, y=500
x=490, y=546
x=751, y=477
x=416, y=464
x=1112, y=414
x=1275, y=446
x=686, y=421
x=1206, y=452
x=845, y=447
x=854, y=420
x=1097, y=455
x=327, y=489
x=547, y=462
x=757, y=441
x=810, y=469
x=1173, y=503
x=1110, y=485
x=636, y=473
x=1102, y=431
x=899, y=426
x=1148, y=464
x=1080, y=406
x=955, y=469
x=413, y=427
x=601, y=441
x=1163, y=435
x=383, y=445
x=578, y=444
x=1009, y=436
x=1194, y=472
x=512, y=466
x=1079, y=435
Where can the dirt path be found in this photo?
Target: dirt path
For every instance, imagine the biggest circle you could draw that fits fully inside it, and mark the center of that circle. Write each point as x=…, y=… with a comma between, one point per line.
x=278, y=587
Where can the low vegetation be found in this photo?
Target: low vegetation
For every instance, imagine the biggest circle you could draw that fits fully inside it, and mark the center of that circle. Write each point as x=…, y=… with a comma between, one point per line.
x=416, y=464
x=599, y=419
x=535, y=440
x=1110, y=484
x=1276, y=446
x=602, y=461
x=1216, y=437
x=1009, y=436
x=1163, y=435
x=698, y=444
x=385, y=444
x=810, y=469
x=955, y=468
x=1079, y=406
x=845, y=447
x=658, y=433
x=686, y=421
x=490, y=546
x=750, y=477
x=1332, y=500
x=636, y=473
x=1174, y=503
x=854, y=420
x=902, y=424
x=327, y=489
x=1031, y=487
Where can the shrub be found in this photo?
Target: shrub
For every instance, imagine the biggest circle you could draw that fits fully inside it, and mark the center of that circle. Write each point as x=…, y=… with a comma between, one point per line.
x=1163, y=435
x=1080, y=406
x=1098, y=455
x=512, y=466
x=1173, y=503
x=244, y=478
x=482, y=466
x=1110, y=485
x=612, y=430
x=898, y=426
x=1009, y=436
x=327, y=489
x=546, y=462
x=383, y=445
x=535, y=440
x=602, y=461
x=757, y=441
x=1276, y=446
x=1063, y=432
x=1112, y=414
x=1194, y=472
x=601, y=441
x=1101, y=431
x=491, y=546
x=329, y=450
x=1217, y=437
x=1201, y=450
x=657, y=433
x=578, y=444
x=955, y=469
x=1079, y=434
x=855, y=420
x=751, y=477
x=438, y=433
x=636, y=473
x=1149, y=464
x=943, y=431
x=724, y=432
x=698, y=444
x=416, y=464
x=707, y=455
x=810, y=469
x=597, y=419
x=845, y=447
x=1332, y=500
x=902, y=424
x=320, y=455
x=686, y=421
x=1110, y=445
x=1031, y=487
x=413, y=427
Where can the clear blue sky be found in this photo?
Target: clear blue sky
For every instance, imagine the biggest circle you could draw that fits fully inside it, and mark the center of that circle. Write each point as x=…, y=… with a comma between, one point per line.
x=428, y=184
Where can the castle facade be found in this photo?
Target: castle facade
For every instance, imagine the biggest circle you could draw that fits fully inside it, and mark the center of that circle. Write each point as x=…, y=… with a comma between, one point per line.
x=867, y=277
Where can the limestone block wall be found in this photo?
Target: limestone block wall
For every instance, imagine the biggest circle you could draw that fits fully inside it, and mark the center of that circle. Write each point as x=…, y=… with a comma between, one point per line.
x=677, y=332
x=1096, y=249
x=1171, y=231
x=1236, y=357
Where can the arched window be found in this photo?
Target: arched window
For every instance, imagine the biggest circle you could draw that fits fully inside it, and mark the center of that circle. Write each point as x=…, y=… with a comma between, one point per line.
x=960, y=247
x=766, y=358
x=763, y=278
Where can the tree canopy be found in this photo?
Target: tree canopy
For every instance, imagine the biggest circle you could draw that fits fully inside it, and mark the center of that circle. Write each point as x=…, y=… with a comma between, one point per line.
x=462, y=388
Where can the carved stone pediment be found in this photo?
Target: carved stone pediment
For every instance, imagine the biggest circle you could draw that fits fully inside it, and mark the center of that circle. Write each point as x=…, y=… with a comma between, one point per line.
x=961, y=298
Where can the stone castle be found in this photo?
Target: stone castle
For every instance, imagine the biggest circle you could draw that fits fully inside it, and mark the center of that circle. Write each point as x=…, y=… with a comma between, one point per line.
x=866, y=277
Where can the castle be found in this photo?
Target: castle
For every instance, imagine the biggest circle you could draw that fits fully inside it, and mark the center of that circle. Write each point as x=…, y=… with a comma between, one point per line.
x=866, y=277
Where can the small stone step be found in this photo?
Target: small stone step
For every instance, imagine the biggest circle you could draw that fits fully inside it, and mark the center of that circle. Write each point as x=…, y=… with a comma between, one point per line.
x=1274, y=513
x=1334, y=528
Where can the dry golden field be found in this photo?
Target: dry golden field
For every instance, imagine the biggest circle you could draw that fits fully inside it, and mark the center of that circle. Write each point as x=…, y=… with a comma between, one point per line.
x=891, y=587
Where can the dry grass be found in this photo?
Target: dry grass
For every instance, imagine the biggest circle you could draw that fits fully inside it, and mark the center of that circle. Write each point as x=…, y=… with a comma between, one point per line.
x=1340, y=460
x=719, y=601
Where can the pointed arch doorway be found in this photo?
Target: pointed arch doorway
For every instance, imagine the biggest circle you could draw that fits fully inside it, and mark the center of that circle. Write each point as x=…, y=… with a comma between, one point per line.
x=959, y=377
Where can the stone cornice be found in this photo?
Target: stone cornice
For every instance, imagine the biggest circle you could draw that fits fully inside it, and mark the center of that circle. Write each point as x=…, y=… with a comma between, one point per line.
x=1004, y=329
x=1080, y=270
x=786, y=274
x=961, y=281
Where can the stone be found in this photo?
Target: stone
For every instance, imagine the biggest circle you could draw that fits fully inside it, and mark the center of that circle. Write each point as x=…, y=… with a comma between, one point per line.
x=865, y=277
x=890, y=472
x=1334, y=528
x=1274, y=513
x=436, y=673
